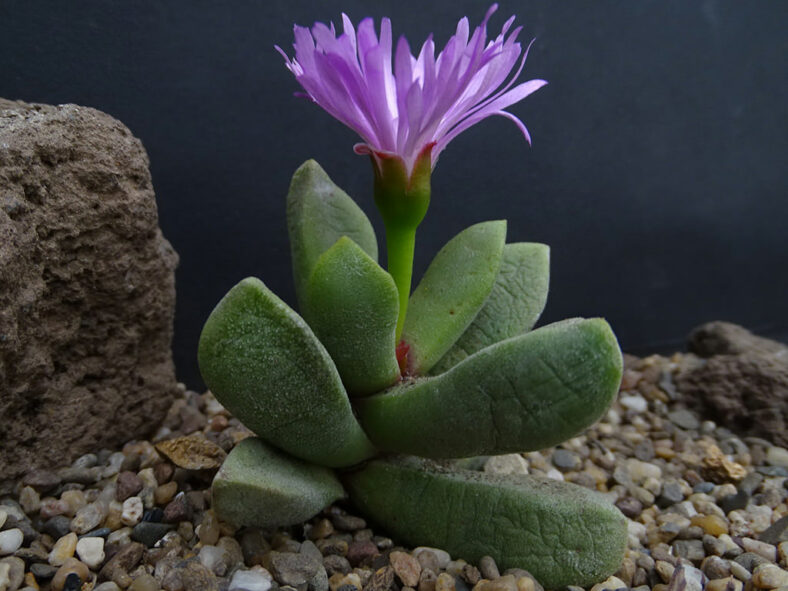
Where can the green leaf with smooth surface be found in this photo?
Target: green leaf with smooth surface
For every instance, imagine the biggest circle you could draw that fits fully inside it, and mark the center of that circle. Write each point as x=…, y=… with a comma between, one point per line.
x=452, y=292
x=561, y=533
x=262, y=362
x=513, y=306
x=351, y=304
x=318, y=214
x=525, y=393
x=261, y=486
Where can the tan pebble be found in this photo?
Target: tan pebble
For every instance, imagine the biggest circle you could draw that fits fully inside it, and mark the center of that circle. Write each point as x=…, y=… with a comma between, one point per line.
x=717, y=468
x=338, y=579
x=782, y=550
x=30, y=581
x=427, y=580
x=208, y=530
x=193, y=452
x=63, y=549
x=445, y=582
x=769, y=576
x=480, y=585
x=525, y=584
x=75, y=500
x=740, y=524
x=726, y=584
x=29, y=499
x=768, y=551
x=406, y=567
x=144, y=582
x=71, y=565
x=91, y=551
x=114, y=513
x=165, y=493
x=713, y=525
x=609, y=583
x=664, y=570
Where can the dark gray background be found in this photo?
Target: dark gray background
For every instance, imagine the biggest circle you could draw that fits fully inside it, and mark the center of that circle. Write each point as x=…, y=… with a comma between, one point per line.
x=657, y=174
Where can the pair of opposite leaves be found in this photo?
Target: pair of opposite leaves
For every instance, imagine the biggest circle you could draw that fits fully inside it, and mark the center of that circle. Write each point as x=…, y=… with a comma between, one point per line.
x=495, y=388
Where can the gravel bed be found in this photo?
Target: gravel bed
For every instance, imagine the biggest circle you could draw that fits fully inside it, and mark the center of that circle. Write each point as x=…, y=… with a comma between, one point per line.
x=706, y=508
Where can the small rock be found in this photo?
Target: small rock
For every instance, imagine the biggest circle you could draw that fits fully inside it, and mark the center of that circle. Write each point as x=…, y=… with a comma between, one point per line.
x=777, y=532
x=768, y=551
x=149, y=532
x=214, y=559
x=192, y=452
x=671, y=494
x=11, y=540
x=107, y=586
x=769, y=576
x=42, y=571
x=179, y=509
x=506, y=464
x=609, y=583
x=12, y=573
x=41, y=480
x=132, y=511
x=715, y=567
x=445, y=582
x=717, y=468
x=777, y=456
x=690, y=549
x=253, y=545
x=91, y=551
x=122, y=562
x=63, y=549
x=360, y=551
x=634, y=402
x=711, y=524
x=686, y=419
x=70, y=575
x=348, y=522
x=88, y=517
x=488, y=568
x=256, y=579
x=736, y=501
x=724, y=584
x=566, y=460
x=406, y=567
x=29, y=499
x=128, y=485
x=381, y=580
x=290, y=568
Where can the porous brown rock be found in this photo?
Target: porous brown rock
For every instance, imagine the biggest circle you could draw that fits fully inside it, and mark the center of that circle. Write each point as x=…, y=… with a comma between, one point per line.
x=87, y=288
x=743, y=383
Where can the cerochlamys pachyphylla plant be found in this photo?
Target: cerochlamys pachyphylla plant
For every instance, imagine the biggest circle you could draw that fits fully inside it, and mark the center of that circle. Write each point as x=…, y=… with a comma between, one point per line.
x=408, y=108
x=328, y=388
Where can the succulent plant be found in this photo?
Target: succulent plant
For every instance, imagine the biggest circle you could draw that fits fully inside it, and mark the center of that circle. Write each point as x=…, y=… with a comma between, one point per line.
x=325, y=390
x=374, y=392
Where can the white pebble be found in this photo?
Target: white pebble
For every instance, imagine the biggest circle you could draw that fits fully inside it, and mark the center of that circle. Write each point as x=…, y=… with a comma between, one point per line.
x=554, y=474
x=636, y=403
x=443, y=557
x=10, y=541
x=132, y=511
x=777, y=456
x=91, y=551
x=251, y=580
x=506, y=464
x=639, y=471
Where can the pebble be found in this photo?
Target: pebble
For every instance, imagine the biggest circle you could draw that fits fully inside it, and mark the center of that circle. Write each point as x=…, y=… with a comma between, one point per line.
x=107, y=586
x=769, y=576
x=145, y=582
x=609, y=583
x=346, y=522
x=566, y=460
x=777, y=456
x=713, y=525
x=128, y=485
x=10, y=540
x=506, y=464
x=12, y=573
x=406, y=567
x=88, y=517
x=63, y=549
x=149, y=532
x=72, y=571
x=635, y=403
x=3, y=517
x=132, y=511
x=488, y=568
x=686, y=419
x=768, y=551
x=91, y=551
x=256, y=579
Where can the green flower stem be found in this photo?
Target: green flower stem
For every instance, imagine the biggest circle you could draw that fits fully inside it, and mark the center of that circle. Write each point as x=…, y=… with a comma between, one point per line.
x=400, y=245
x=402, y=200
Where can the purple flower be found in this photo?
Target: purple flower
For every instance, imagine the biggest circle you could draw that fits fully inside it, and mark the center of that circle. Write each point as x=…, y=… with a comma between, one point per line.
x=417, y=108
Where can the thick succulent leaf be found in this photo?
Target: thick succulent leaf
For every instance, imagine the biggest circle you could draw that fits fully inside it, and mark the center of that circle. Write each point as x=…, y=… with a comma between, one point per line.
x=318, y=214
x=262, y=361
x=260, y=486
x=513, y=306
x=452, y=292
x=525, y=393
x=561, y=533
x=351, y=304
